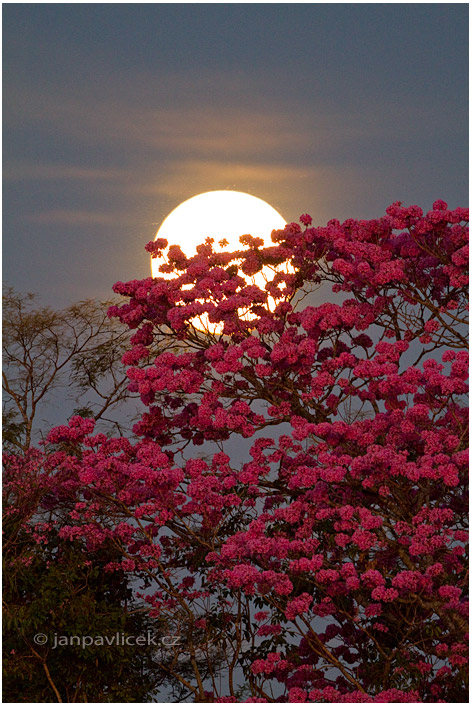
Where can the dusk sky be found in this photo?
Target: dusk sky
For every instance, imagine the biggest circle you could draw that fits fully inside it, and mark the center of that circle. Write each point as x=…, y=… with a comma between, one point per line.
x=114, y=114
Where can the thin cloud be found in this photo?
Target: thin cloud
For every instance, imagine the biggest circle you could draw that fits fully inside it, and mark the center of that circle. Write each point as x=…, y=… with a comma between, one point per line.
x=288, y=188
x=311, y=128
x=52, y=172
x=209, y=175
x=262, y=129
x=70, y=217
x=192, y=131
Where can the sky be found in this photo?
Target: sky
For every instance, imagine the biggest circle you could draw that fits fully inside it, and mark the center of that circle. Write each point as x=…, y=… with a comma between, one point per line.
x=116, y=113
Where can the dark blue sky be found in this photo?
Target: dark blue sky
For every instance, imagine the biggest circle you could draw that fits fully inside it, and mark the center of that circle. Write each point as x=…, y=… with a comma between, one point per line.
x=114, y=114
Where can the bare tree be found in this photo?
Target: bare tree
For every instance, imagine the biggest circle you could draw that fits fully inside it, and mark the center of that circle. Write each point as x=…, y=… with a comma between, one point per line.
x=78, y=349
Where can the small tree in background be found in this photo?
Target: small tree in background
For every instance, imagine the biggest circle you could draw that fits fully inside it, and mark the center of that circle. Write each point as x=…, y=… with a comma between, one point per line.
x=77, y=349
x=330, y=566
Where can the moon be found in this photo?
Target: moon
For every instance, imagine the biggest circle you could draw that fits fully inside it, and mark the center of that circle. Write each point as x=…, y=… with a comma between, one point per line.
x=219, y=215
x=223, y=216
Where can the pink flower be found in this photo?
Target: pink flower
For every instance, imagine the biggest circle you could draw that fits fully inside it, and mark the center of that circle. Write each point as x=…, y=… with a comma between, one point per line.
x=298, y=605
x=384, y=594
x=297, y=695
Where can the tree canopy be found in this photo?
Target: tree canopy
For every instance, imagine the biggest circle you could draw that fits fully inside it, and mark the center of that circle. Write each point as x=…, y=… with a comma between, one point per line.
x=323, y=560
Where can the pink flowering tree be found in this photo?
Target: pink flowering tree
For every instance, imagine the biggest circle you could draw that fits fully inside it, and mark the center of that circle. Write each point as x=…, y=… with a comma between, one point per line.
x=295, y=501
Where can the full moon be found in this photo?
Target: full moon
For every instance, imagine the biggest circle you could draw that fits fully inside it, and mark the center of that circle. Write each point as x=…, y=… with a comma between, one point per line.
x=223, y=216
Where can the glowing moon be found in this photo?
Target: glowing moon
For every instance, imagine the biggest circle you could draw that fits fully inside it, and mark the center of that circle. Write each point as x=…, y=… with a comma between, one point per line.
x=221, y=215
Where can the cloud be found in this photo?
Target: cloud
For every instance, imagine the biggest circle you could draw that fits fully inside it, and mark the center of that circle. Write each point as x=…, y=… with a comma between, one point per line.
x=289, y=188
x=225, y=131
x=182, y=175
x=196, y=122
x=70, y=217
x=170, y=116
x=190, y=130
x=22, y=171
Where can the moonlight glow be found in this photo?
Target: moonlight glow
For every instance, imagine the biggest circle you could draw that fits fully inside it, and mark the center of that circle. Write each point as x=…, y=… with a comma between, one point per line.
x=221, y=215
